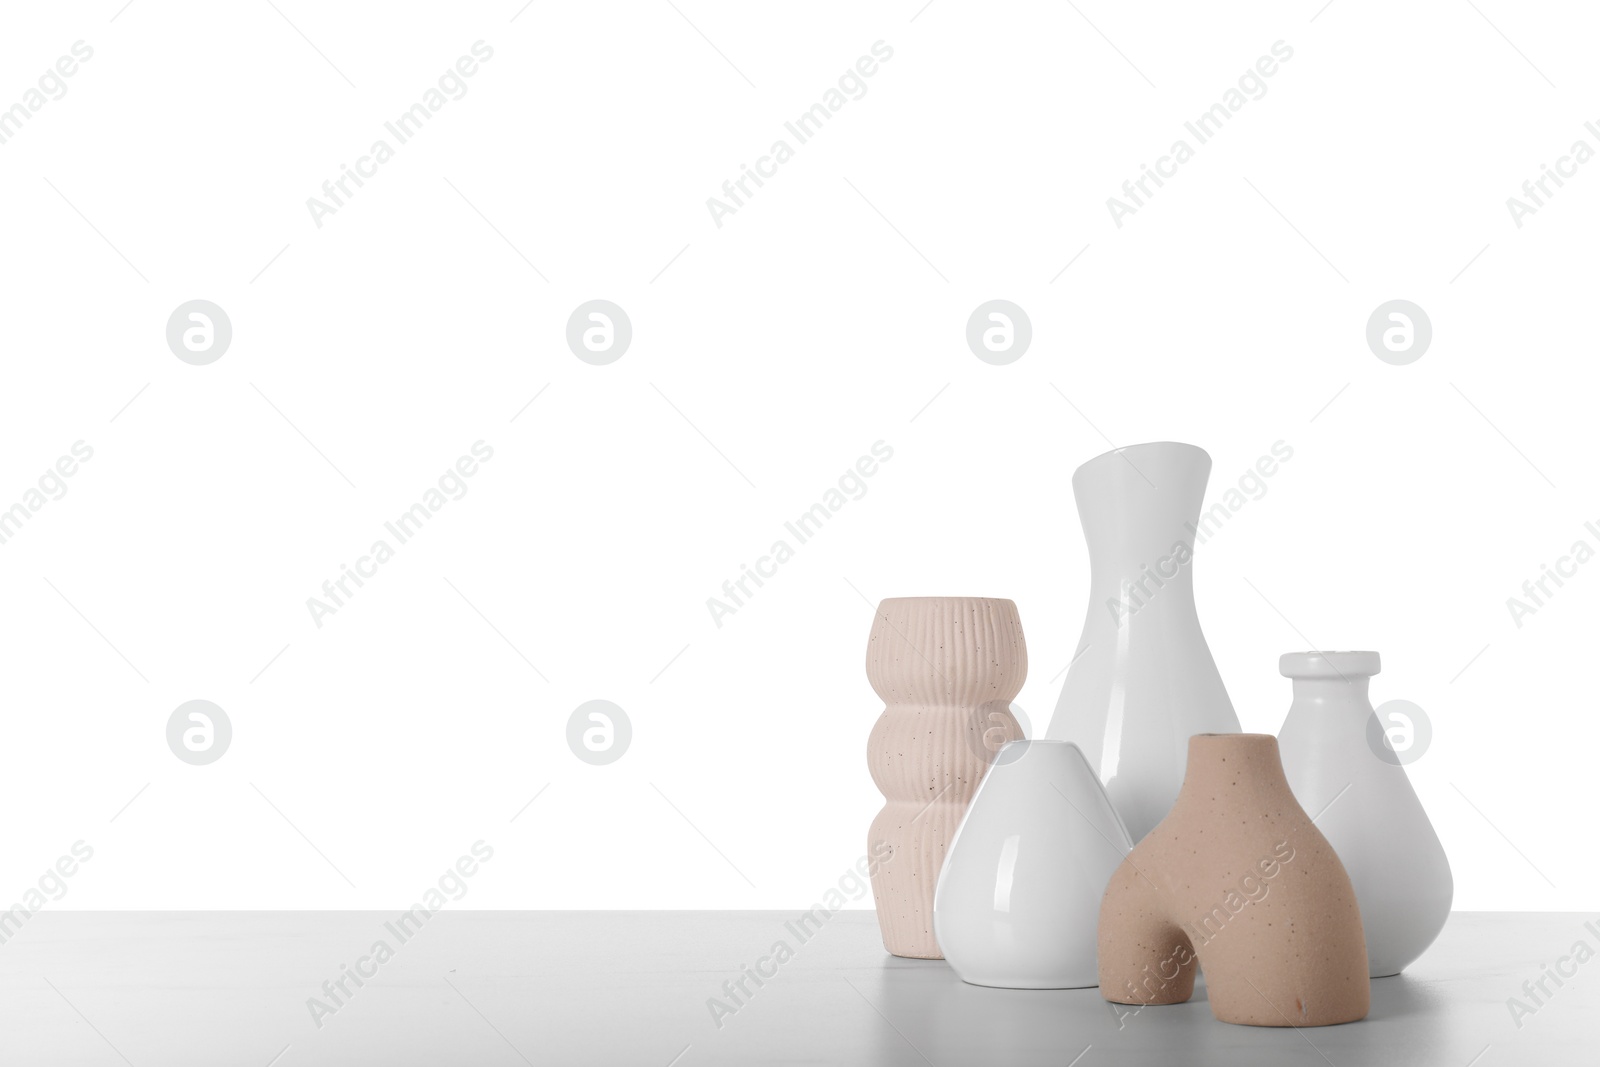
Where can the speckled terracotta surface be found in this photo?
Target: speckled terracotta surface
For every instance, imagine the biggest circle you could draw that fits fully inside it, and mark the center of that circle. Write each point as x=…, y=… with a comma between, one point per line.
x=947, y=669
x=1236, y=877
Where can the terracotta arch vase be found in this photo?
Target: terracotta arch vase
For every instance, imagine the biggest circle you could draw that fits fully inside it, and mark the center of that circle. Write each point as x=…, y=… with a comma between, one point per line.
x=1237, y=881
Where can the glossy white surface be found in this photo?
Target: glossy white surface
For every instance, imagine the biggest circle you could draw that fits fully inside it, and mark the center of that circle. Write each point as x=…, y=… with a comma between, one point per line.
x=505, y=989
x=1018, y=899
x=1142, y=680
x=1364, y=805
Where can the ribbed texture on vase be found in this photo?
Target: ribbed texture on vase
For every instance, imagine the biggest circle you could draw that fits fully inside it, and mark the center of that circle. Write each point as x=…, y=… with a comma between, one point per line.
x=947, y=669
x=960, y=651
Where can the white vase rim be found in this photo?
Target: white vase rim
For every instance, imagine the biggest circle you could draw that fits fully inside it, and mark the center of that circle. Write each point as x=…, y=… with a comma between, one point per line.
x=1344, y=664
x=1144, y=446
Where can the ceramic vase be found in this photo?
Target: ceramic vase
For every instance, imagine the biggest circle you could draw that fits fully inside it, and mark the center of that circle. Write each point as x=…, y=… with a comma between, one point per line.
x=947, y=669
x=1019, y=895
x=1356, y=787
x=1142, y=680
x=1237, y=880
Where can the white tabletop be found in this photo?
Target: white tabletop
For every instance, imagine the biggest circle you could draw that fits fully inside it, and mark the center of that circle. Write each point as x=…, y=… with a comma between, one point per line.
x=487, y=988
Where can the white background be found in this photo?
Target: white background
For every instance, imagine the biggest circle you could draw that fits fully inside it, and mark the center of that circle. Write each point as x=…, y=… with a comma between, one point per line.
x=827, y=314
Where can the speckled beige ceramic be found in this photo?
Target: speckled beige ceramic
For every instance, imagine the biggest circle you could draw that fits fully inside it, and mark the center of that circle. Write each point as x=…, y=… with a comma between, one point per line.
x=1237, y=876
x=947, y=669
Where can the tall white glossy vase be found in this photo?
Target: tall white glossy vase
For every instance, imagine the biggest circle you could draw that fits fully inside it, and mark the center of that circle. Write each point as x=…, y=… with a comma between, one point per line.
x=1142, y=681
x=1018, y=899
x=1337, y=765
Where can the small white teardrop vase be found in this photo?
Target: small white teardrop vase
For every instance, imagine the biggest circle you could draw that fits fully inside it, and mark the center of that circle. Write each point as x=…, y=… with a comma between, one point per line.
x=1142, y=681
x=1018, y=899
x=1364, y=805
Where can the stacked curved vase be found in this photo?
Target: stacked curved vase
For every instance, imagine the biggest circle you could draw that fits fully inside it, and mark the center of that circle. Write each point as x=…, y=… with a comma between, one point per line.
x=947, y=669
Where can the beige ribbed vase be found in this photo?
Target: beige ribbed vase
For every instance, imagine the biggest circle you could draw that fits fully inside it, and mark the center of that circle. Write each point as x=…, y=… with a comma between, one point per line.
x=947, y=669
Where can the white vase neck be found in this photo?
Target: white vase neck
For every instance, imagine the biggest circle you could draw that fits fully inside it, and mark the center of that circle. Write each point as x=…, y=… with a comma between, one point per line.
x=1139, y=505
x=1330, y=692
x=1329, y=679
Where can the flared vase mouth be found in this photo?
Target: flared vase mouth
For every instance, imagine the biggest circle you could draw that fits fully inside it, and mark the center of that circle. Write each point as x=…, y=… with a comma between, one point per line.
x=1341, y=665
x=1147, y=448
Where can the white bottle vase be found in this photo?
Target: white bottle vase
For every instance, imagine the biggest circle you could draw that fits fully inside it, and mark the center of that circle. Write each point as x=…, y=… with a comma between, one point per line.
x=1018, y=898
x=1364, y=805
x=1142, y=681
